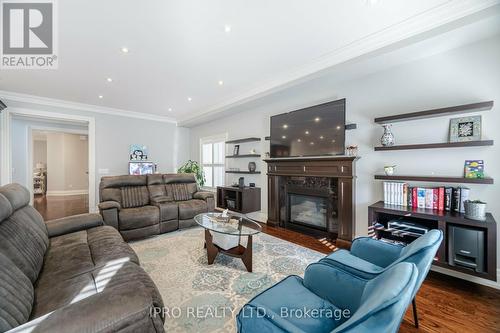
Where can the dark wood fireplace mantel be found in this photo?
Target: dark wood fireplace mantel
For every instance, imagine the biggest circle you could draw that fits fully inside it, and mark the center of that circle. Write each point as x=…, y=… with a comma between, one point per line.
x=339, y=169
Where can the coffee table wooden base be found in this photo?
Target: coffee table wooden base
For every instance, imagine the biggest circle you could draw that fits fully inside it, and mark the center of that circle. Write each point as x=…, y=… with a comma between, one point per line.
x=244, y=253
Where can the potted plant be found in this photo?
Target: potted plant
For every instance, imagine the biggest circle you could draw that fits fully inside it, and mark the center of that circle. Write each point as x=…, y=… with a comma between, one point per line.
x=195, y=168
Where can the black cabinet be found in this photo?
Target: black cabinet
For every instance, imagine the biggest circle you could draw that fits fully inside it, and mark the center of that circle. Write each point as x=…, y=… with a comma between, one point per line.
x=241, y=200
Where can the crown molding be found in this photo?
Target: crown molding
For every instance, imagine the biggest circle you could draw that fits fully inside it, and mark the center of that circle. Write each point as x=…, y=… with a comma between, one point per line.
x=411, y=27
x=58, y=103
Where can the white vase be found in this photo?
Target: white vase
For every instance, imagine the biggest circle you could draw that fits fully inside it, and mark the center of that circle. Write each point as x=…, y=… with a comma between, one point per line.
x=388, y=138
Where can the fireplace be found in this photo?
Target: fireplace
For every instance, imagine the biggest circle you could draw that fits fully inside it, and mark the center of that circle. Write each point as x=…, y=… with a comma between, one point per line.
x=308, y=210
x=309, y=205
x=314, y=196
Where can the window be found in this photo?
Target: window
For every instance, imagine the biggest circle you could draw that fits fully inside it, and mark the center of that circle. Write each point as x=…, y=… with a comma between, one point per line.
x=212, y=161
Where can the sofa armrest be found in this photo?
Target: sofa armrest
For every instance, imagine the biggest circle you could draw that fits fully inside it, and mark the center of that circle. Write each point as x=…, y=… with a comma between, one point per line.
x=114, y=310
x=377, y=252
x=109, y=205
x=203, y=195
x=73, y=223
x=337, y=286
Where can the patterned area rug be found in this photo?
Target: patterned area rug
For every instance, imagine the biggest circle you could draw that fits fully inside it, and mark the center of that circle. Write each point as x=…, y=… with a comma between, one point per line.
x=203, y=298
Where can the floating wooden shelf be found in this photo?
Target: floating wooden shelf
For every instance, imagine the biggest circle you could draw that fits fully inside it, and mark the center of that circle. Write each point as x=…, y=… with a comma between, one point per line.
x=467, y=108
x=438, y=145
x=245, y=172
x=437, y=179
x=242, y=156
x=242, y=140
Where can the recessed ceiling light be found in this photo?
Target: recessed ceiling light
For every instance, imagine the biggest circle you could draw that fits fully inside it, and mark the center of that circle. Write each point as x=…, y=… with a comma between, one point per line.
x=189, y=99
x=333, y=141
x=307, y=132
x=124, y=49
x=100, y=96
x=338, y=127
x=109, y=79
x=317, y=119
x=322, y=137
x=299, y=140
x=285, y=126
x=227, y=28
x=283, y=137
x=312, y=143
x=169, y=109
x=220, y=82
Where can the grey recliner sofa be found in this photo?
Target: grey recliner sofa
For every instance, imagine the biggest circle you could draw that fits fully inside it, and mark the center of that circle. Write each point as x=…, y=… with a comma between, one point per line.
x=146, y=205
x=69, y=275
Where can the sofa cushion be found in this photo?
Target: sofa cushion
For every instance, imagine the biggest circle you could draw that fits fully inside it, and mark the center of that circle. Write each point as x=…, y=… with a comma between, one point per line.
x=133, y=218
x=290, y=294
x=180, y=192
x=5, y=208
x=168, y=211
x=24, y=240
x=50, y=297
x=16, y=295
x=190, y=208
x=134, y=196
x=106, y=245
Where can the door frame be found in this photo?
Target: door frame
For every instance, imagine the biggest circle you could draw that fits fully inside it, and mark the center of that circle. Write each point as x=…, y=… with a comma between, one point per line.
x=6, y=146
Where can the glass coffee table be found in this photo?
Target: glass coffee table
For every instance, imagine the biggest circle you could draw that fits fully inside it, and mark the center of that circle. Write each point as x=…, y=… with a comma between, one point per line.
x=229, y=233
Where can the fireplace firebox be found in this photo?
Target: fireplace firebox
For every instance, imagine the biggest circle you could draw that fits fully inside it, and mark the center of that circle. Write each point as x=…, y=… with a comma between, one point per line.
x=308, y=210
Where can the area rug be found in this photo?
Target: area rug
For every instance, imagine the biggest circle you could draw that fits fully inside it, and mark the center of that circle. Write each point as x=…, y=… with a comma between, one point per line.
x=206, y=298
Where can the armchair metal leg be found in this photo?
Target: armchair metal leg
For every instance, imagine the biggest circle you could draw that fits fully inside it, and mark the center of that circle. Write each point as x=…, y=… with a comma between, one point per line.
x=415, y=314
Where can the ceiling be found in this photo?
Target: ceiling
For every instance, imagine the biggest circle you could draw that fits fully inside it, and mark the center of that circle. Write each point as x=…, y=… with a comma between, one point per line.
x=180, y=50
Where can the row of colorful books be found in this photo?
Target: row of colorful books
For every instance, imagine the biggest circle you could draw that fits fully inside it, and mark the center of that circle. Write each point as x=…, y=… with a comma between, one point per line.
x=439, y=198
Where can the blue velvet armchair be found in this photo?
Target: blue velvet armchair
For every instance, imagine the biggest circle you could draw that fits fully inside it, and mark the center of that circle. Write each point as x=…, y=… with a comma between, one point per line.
x=329, y=299
x=370, y=257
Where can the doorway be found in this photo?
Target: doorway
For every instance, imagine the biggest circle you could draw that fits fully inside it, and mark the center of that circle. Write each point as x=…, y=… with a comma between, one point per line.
x=59, y=171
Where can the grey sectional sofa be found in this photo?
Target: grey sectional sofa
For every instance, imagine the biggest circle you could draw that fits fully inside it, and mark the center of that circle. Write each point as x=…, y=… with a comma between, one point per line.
x=69, y=275
x=142, y=206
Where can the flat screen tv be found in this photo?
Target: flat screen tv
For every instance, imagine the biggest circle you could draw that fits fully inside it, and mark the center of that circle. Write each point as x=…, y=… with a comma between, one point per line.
x=314, y=131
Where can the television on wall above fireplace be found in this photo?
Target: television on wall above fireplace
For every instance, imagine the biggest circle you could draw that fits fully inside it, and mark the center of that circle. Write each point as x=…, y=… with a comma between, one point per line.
x=314, y=131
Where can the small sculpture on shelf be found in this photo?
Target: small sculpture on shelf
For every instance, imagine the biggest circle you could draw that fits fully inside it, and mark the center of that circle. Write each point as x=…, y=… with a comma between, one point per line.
x=389, y=170
x=352, y=150
x=387, y=139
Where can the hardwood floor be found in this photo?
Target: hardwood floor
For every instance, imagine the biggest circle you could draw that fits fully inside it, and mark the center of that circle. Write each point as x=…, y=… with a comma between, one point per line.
x=445, y=304
x=55, y=207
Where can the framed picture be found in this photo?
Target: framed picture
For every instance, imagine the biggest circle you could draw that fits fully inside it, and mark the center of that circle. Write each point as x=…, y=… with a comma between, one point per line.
x=138, y=153
x=141, y=168
x=236, y=150
x=465, y=129
x=474, y=169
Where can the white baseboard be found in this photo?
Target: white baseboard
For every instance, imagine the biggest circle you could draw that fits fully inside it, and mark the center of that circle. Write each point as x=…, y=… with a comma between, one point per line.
x=68, y=192
x=470, y=278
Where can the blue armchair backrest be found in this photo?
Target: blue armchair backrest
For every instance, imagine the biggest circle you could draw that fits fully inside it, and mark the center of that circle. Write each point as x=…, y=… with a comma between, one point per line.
x=421, y=252
x=384, y=301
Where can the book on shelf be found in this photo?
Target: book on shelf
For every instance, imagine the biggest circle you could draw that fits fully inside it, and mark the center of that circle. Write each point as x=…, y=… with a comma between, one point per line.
x=435, y=198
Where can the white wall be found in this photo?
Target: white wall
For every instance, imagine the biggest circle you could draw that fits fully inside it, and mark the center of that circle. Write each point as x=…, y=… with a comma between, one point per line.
x=464, y=75
x=67, y=163
x=39, y=152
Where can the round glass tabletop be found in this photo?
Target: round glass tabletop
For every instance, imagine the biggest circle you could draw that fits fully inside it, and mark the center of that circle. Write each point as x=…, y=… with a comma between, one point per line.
x=237, y=225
